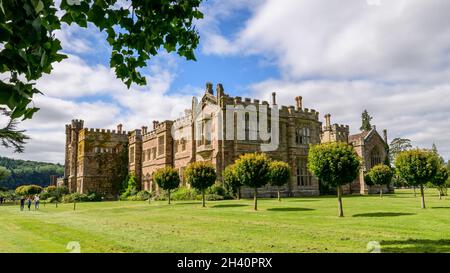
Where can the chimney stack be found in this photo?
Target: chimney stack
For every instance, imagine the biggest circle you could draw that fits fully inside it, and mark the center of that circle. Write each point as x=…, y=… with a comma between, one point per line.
x=298, y=99
x=385, y=136
x=219, y=90
x=209, y=88
x=119, y=128
x=327, y=120
x=274, y=101
x=155, y=123
x=144, y=130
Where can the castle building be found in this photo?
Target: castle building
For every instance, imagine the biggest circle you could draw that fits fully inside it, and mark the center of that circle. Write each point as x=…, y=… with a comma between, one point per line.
x=218, y=129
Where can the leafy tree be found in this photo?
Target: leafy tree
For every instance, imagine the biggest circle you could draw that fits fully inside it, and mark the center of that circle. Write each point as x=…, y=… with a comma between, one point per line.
x=280, y=173
x=201, y=175
x=380, y=175
x=253, y=171
x=231, y=181
x=397, y=146
x=4, y=173
x=417, y=167
x=336, y=164
x=131, y=188
x=57, y=193
x=167, y=178
x=440, y=180
x=135, y=33
x=9, y=135
x=365, y=121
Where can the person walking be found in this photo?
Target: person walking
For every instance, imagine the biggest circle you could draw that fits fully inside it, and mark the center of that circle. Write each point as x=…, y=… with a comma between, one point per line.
x=29, y=203
x=22, y=203
x=36, y=202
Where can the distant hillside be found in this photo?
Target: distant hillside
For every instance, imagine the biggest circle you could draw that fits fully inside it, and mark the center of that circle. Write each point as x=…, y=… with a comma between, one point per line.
x=29, y=172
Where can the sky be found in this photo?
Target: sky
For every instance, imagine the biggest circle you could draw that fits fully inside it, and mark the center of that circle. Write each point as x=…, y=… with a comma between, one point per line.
x=389, y=57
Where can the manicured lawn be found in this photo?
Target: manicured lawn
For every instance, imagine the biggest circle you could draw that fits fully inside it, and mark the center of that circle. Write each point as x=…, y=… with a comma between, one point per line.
x=293, y=225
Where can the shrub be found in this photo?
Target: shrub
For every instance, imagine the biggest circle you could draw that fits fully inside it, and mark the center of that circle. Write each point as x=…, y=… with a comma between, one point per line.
x=185, y=194
x=231, y=182
x=280, y=173
x=29, y=190
x=140, y=196
x=380, y=175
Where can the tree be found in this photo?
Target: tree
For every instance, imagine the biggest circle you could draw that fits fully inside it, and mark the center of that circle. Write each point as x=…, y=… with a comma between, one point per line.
x=135, y=32
x=9, y=135
x=280, y=173
x=57, y=193
x=365, y=121
x=167, y=178
x=336, y=164
x=380, y=175
x=397, y=146
x=440, y=180
x=4, y=173
x=201, y=175
x=253, y=171
x=231, y=181
x=417, y=167
x=131, y=186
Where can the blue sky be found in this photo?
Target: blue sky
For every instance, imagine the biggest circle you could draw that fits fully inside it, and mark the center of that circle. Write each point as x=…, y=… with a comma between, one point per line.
x=389, y=57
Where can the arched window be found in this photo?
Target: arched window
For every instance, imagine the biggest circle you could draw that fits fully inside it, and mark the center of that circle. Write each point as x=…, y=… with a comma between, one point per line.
x=375, y=157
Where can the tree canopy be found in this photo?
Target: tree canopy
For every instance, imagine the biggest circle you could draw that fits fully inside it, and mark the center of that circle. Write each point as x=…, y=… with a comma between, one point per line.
x=380, y=175
x=397, y=146
x=136, y=30
x=231, y=180
x=280, y=173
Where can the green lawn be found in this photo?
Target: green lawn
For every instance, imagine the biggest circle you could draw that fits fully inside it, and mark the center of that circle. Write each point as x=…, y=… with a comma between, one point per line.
x=293, y=225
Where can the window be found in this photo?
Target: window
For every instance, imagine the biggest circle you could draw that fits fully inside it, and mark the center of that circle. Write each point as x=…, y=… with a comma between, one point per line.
x=175, y=146
x=149, y=154
x=375, y=157
x=302, y=136
x=161, y=145
x=303, y=175
x=131, y=154
x=183, y=144
x=154, y=152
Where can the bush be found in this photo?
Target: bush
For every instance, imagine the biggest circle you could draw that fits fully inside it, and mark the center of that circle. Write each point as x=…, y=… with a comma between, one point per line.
x=140, y=196
x=29, y=190
x=167, y=178
x=82, y=197
x=185, y=194
x=201, y=176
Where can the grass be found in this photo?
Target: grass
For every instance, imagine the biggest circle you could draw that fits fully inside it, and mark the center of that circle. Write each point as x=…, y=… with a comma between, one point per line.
x=292, y=225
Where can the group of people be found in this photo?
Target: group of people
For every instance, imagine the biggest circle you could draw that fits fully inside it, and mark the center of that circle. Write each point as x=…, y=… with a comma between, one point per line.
x=29, y=200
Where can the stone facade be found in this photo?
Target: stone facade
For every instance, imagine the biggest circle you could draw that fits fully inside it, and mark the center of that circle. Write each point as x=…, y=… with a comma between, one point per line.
x=92, y=155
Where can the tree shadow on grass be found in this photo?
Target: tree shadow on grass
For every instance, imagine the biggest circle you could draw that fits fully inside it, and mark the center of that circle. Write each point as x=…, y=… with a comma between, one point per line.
x=440, y=207
x=230, y=206
x=289, y=209
x=383, y=214
x=189, y=203
x=302, y=200
x=416, y=246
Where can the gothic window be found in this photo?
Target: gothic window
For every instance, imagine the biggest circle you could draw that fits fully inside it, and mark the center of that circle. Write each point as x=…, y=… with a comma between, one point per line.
x=183, y=145
x=303, y=175
x=247, y=126
x=302, y=136
x=375, y=157
x=149, y=154
x=131, y=154
x=161, y=145
x=154, y=152
x=175, y=146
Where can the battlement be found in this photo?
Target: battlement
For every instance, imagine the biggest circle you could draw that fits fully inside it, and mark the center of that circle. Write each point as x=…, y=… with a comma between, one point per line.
x=105, y=131
x=158, y=127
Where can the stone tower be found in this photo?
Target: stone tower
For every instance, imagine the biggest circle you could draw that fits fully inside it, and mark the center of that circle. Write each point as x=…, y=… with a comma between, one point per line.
x=71, y=159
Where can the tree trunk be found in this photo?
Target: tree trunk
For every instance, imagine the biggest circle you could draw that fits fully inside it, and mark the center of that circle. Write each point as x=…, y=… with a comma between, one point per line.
x=279, y=198
x=414, y=187
x=423, y=196
x=168, y=194
x=339, y=193
x=56, y=203
x=203, y=198
x=256, y=198
x=74, y=204
x=440, y=194
x=381, y=191
x=239, y=193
